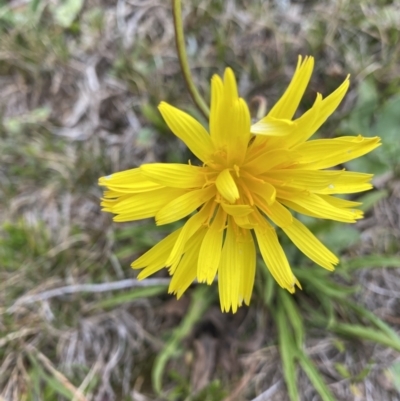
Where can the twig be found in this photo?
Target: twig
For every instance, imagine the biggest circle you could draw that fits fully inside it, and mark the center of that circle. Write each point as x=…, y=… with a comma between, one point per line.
x=72, y=289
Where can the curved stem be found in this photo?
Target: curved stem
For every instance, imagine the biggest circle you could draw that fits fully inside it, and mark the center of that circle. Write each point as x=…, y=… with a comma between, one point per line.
x=180, y=46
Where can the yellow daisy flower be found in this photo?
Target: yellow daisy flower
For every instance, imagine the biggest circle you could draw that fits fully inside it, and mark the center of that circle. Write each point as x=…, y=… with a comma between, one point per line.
x=248, y=179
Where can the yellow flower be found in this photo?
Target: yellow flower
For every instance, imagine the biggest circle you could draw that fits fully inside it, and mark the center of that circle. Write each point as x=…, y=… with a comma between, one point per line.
x=248, y=179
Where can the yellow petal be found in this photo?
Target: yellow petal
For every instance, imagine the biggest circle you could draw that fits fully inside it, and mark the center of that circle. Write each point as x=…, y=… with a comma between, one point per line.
x=308, y=124
x=271, y=126
x=237, y=269
x=229, y=272
x=142, y=205
x=175, y=175
x=155, y=258
x=239, y=137
x=227, y=187
x=288, y=103
x=313, y=205
x=211, y=247
x=182, y=206
x=189, y=229
x=273, y=255
x=302, y=237
x=128, y=181
x=185, y=273
x=217, y=94
x=260, y=144
x=230, y=87
x=310, y=180
x=297, y=282
x=330, y=104
x=107, y=205
x=188, y=130
x=237, y=210
x=305, y=124
x=112, y=195
x=265, y=190
x=268, y=160
x=247, y=264
x=244, y=222
x=339, y=202
x=325, y=153
x=229, y=119
x=348, y=182
x=277, y=213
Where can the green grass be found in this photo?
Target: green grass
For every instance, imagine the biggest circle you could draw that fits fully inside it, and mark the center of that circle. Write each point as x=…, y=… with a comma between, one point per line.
x=80, y=83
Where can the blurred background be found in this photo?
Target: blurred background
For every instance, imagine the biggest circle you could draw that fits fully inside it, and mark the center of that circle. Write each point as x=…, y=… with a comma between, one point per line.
x=80, y=81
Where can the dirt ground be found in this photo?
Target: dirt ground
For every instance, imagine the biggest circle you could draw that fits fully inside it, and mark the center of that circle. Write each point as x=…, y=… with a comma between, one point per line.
x=80, y=82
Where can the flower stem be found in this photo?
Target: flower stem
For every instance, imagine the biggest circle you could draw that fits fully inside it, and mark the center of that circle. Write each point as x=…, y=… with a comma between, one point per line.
x=180, y=46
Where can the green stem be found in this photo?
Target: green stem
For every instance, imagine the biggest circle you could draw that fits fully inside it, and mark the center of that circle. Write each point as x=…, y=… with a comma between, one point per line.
x=180, y=46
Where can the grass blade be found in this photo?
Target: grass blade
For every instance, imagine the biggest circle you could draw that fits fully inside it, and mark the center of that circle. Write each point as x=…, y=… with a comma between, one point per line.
x=200, y=302
x=130, y=296
x=372, y=318
x=365, y=333
x=293, y=315
x=315, y=378
x=287, y=349
x=371, y=261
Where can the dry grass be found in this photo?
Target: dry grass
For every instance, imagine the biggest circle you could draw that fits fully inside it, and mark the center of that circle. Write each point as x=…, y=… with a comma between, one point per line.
x=79, y=102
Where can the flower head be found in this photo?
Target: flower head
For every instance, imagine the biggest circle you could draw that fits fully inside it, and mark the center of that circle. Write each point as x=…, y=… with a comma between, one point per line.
x=249, y=180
